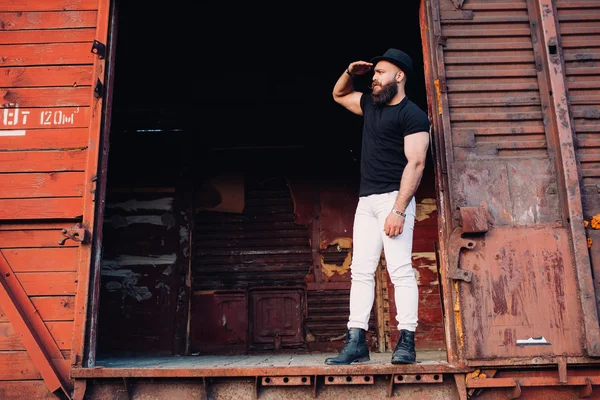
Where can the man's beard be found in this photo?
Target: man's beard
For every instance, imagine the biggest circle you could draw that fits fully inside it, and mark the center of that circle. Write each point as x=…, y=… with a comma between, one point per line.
x=387, y=93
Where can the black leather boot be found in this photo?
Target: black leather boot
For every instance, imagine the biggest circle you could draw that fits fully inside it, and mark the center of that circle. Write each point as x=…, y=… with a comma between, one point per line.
x=404, y=353
x=355, y=349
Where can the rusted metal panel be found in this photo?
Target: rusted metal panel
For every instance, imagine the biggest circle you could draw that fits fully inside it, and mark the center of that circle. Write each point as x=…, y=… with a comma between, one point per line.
x=277, y=318
x=262, y=246
x=328, y=312
x=568, y=170
x=527, y=284
x=581, y=52
x=492, y=134
x=219, y=322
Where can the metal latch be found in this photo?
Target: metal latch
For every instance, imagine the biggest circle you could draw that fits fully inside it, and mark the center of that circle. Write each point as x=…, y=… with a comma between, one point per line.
x=457, y=243
x=472, y=220
x=99, y=49
x=76, y=233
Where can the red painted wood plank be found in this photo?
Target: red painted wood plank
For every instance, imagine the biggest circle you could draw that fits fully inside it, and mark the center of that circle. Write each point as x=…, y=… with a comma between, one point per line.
x=11, y=239
x=50, y=208
x=10, y=21
x=46, y=54
x=34, y=389
x=35, y=185
x=46, y=97
x=42, y=161
x=44, y=139
x=17, y=365
x=29, y=226
x=44, y=118
x=48, y=36
x=48, y=283
x=62, y=75
x=61, y=332
x=51, y=308
x=48, y=5
x=44, y=259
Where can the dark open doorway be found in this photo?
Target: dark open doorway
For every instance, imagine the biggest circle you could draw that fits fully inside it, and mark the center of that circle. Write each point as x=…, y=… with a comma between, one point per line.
x=233, y=177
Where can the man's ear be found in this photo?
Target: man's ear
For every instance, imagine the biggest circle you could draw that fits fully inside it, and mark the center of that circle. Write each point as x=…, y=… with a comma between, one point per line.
x=399, y=76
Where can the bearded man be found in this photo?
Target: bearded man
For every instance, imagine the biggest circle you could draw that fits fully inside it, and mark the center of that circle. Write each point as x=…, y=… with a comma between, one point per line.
x=395, y=139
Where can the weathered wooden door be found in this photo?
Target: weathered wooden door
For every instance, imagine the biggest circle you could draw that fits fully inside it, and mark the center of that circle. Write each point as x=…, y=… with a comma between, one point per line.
x=52, y=59
x=517, y=276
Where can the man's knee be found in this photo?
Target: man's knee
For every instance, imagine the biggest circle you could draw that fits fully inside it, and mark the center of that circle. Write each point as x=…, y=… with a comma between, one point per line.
x=402, y=273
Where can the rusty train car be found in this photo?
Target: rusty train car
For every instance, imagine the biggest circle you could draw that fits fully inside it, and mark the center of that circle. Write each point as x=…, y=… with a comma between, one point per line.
x=177, y=193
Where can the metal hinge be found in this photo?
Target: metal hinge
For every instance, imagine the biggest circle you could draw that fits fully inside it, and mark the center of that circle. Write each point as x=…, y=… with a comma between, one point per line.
x=99, y=89
x=99, y=49
x=76, y=233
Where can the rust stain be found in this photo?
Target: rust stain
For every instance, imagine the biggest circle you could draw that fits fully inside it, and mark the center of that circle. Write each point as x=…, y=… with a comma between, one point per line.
x=425, y=208
x=458, y=318
x=498, y=297
x=439, y=95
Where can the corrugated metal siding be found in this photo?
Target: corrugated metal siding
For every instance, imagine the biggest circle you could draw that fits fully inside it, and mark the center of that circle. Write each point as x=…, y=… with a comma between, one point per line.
x=492, y=85
x=579, y=24
x=263, y=246
x=46, y=69
x=328, y=316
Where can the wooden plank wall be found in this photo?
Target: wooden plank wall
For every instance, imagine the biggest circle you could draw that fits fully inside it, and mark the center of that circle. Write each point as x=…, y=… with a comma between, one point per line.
x=45, y=91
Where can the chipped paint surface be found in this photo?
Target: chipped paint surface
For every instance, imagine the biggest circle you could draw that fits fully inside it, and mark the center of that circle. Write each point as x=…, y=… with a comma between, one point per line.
x=124, y=260
x=165, y=204
x=118, y=221
x=330, y=269
x=425, y=208
x=425, y=264
x=125, y=280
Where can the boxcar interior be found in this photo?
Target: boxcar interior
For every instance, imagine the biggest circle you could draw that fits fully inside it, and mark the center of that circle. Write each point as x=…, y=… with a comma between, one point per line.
x=232, y=182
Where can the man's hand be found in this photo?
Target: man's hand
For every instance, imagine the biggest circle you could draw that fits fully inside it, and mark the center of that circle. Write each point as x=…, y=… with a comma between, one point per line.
x=360, y=67
x=394, y=224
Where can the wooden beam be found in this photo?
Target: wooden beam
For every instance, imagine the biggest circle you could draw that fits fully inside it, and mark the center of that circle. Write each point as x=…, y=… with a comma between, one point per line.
x=35, y=336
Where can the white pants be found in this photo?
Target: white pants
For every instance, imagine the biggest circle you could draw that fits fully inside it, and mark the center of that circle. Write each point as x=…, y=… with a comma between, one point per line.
x=369, y=239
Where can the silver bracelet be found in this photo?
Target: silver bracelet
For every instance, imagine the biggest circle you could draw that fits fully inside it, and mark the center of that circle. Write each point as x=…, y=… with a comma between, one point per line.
x=397, y=212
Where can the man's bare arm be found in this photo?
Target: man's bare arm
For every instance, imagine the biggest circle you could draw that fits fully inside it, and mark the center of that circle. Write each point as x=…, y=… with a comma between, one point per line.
x=415, y=149
x=343, y=91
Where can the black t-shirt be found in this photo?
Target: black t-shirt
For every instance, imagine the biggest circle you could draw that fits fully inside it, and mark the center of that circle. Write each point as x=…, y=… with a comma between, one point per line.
x=382, y=154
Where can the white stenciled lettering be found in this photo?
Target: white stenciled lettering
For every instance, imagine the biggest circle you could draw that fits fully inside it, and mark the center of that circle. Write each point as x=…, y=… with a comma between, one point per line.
x=12, y=116
x=46, y=118
x=57, y=117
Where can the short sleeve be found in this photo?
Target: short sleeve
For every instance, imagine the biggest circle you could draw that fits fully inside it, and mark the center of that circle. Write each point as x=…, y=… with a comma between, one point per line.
x=415, y=121
x=363, y=101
